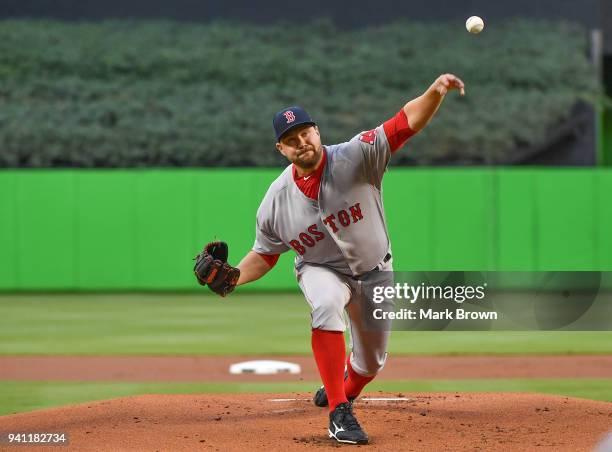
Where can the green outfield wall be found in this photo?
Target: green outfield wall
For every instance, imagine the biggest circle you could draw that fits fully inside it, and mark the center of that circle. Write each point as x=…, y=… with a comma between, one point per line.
x=605, y=138
x=139, y=229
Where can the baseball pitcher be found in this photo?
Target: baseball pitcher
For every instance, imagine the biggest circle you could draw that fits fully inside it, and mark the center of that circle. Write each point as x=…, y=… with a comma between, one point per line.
x=327, y=207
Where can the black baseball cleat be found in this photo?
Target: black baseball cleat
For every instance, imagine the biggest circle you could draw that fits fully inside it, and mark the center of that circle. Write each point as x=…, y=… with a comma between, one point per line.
x=320, y=397
x=343, y=426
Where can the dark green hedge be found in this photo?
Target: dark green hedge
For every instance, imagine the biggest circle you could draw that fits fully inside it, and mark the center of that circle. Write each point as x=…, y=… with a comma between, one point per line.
x=124, y=94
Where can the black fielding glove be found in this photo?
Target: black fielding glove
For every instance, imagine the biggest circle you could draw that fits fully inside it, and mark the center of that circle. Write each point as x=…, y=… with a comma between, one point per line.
x=211, y=268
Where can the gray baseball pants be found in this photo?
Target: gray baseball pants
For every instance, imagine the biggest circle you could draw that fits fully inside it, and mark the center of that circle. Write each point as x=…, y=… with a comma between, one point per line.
x=330, y=294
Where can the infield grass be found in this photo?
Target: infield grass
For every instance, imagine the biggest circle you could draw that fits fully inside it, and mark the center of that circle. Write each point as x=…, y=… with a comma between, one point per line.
x=21, y=396
x=244, y=324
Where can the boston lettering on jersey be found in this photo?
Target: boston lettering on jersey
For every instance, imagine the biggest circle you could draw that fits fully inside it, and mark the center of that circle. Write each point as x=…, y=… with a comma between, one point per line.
x=310, y=238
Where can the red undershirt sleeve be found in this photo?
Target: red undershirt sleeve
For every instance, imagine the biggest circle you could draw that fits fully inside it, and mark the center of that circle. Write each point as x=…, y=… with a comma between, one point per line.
x=397, y=130
x=271, y=259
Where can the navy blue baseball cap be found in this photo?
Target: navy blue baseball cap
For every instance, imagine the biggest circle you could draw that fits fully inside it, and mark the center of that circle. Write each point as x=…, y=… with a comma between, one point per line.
x=289, y=118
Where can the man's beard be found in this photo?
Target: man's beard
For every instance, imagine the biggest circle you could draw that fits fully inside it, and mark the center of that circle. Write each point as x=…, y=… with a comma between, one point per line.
x=310, y=162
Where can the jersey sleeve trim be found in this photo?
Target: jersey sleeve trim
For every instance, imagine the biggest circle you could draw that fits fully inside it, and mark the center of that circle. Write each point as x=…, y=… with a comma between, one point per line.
x=397, y=130
x=271, y=259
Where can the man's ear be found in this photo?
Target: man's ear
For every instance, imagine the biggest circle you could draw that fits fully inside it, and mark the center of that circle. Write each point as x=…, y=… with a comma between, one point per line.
x=279, y=147
x=317, y=129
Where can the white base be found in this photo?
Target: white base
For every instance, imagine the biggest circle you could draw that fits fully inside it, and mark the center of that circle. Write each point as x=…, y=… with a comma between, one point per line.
x=265, y=367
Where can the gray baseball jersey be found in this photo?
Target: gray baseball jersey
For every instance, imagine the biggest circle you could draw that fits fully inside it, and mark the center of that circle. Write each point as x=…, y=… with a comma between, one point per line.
x=345, y=229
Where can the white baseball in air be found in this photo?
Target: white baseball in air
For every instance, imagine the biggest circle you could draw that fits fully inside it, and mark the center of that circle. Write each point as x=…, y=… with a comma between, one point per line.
x=474, y=24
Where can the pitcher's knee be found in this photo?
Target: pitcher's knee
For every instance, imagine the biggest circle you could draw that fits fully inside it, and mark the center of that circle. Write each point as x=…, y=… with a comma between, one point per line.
x=368, y=366
x=328, y=316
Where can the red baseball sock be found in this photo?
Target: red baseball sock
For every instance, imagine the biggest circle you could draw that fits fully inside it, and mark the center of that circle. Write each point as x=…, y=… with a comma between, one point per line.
x=355, y=383
x=329, y=353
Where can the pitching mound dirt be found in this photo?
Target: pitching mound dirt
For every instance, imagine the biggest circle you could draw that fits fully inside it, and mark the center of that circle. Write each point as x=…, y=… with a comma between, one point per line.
x=254, y=422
